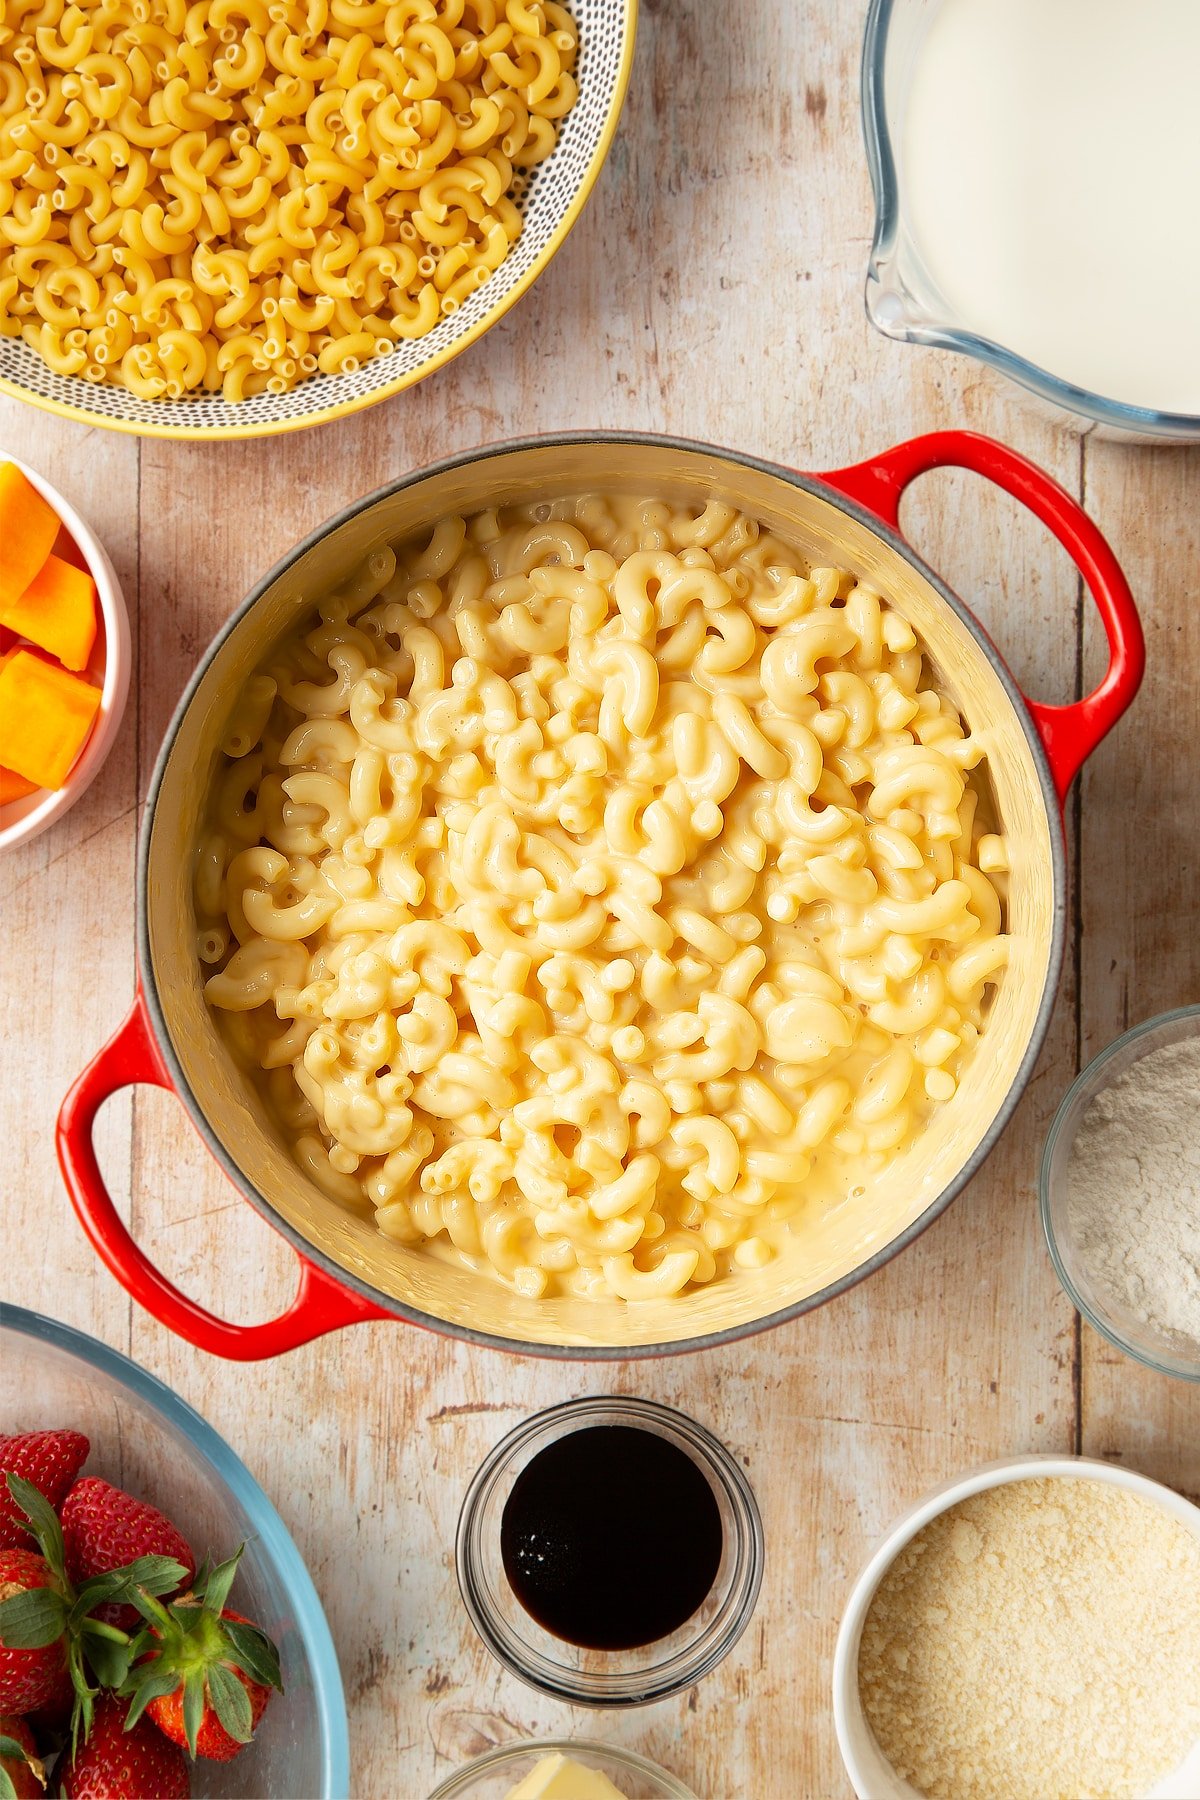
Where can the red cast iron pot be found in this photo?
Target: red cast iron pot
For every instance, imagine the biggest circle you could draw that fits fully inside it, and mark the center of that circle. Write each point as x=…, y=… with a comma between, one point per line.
x=348, y=1270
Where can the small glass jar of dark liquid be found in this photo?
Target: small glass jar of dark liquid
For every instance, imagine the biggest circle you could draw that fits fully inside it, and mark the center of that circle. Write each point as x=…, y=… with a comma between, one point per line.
x=610, y=1551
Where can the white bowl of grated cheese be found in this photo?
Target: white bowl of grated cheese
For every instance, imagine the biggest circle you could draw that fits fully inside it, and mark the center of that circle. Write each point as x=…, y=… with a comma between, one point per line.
x=1096, y=1555
x=1120, y=1193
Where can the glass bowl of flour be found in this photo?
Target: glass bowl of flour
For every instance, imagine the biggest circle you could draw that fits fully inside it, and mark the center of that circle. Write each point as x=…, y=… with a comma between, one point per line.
x=1120, y=1193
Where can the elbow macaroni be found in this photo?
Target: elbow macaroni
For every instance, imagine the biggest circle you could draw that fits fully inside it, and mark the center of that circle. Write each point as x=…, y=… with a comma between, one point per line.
x=234, y=194
x=611, y=886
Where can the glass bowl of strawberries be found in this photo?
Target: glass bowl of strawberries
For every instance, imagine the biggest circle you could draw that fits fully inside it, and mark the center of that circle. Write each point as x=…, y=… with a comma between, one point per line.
x=151, y=1599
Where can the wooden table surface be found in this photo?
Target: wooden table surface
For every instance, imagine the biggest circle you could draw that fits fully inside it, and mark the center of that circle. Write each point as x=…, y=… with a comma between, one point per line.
x=713, y=288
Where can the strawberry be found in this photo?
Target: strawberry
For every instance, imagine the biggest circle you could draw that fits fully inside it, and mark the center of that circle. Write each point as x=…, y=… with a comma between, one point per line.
x=47, y=1625
x=33, y=1649
x=104, y=1528
x=53, y=1718
x=207, y=1673
x=19, y=1762
x=50, y=1460
x=212, y=1739
x=118, y=1764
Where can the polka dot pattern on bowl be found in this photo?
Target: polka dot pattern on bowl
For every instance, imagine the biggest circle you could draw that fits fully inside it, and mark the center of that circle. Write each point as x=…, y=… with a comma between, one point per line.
x=544, y=198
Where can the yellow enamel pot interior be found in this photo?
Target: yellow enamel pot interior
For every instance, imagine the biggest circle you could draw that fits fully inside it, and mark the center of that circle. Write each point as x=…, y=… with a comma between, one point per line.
x=835, y=1249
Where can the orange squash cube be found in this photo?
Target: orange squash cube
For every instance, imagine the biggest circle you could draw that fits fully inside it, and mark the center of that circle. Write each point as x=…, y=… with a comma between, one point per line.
x=14, y=787
x=28, y=528
x=57, y=612
x=45, y=716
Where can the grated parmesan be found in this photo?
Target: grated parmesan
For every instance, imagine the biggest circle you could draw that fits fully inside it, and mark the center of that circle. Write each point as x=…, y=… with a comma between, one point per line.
x=1039, y=1641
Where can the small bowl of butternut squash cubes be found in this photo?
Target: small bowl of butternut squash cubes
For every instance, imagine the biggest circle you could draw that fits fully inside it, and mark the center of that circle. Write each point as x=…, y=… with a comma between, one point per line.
x=64, y=654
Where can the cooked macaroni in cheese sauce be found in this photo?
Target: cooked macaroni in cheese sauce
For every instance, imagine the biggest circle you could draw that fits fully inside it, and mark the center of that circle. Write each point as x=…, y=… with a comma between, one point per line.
x=231, y=195
x=596, y=886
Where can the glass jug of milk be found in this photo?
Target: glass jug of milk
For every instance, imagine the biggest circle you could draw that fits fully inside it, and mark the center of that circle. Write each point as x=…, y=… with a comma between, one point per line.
x=1035, y=165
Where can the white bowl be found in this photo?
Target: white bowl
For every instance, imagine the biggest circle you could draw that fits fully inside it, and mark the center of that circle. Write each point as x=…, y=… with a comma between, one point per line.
x=871, y=1775
x=109, y=665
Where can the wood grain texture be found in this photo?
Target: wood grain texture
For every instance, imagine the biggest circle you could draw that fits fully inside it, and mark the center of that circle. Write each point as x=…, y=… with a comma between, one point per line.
x=712, y=288
x=1140, y=809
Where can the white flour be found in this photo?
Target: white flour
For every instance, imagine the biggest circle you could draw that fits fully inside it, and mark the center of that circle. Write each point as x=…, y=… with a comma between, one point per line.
x=1134, y=1195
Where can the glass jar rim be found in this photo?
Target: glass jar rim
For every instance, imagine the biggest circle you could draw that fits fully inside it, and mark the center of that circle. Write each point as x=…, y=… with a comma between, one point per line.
x=1090, y=1081
x=461, y=1780
x=682, y=1667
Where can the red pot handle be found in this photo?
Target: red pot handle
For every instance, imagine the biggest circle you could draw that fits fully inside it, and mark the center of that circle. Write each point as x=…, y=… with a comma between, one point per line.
x=1070, y=733
x=320, y=1304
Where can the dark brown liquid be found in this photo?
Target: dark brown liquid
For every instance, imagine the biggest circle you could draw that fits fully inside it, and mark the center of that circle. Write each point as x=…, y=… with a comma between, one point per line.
x=611, y=1537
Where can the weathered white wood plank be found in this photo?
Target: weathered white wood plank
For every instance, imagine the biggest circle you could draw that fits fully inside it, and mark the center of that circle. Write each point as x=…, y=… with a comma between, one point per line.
x=66, y=951
x=1140, y=819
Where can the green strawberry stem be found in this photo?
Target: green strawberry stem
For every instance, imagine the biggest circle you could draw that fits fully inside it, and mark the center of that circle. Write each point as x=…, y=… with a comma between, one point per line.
x=42, y=1524
x=188, y=1644
x=33, y=1619
x=102, y=1628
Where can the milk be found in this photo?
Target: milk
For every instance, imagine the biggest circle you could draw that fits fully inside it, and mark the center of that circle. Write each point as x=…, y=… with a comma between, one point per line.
x=1049, y=164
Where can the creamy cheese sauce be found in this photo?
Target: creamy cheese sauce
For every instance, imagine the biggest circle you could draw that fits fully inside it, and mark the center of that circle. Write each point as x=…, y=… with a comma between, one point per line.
x=652, y=865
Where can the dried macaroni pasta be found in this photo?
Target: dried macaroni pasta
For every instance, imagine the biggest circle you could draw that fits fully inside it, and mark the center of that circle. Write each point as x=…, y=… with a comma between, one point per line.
x=594, y=885
x=234, y=194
